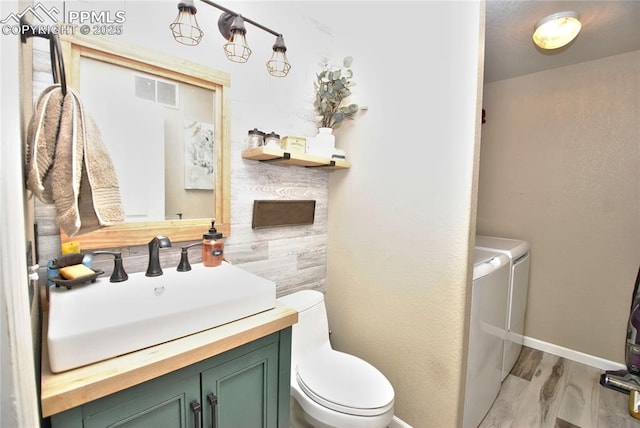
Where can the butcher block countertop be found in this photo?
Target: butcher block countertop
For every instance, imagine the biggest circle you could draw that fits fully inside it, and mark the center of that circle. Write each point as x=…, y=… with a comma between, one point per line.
x=63, y=391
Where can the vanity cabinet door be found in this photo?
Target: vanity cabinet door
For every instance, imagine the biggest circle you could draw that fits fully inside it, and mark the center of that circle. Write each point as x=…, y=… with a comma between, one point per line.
x=243, y=392
x=162, y=402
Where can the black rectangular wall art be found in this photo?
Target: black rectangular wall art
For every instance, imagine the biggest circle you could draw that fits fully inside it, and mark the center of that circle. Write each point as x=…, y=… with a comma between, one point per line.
x=282, y=213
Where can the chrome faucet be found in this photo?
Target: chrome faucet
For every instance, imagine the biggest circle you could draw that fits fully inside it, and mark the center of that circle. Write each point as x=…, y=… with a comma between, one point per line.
x=154, y=269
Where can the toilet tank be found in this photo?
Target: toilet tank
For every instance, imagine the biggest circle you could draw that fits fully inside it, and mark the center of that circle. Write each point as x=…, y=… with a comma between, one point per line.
x=312, y=330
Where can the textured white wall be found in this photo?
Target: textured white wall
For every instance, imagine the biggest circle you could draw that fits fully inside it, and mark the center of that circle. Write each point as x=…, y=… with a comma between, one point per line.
x=559, y=167
x=400, y=219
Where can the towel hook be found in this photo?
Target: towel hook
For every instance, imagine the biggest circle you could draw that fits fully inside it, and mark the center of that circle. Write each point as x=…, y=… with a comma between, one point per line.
x=59, y=75
x=55, y=50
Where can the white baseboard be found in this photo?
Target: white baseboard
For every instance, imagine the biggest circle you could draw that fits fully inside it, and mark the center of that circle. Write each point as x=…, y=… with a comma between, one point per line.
x=396, y=422
x=570, y=354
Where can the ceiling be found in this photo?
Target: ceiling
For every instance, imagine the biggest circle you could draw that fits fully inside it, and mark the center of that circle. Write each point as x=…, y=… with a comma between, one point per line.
x=609, y=27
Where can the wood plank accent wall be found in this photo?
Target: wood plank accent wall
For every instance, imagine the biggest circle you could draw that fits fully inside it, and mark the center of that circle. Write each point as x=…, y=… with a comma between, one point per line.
x=294, y=257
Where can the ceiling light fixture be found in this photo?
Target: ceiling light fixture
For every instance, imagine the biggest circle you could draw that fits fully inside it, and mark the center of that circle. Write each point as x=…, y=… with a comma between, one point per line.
x=557, y=30
x=186, y=30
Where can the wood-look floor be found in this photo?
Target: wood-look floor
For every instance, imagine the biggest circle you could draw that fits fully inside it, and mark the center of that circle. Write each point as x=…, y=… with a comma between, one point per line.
x=544, y=390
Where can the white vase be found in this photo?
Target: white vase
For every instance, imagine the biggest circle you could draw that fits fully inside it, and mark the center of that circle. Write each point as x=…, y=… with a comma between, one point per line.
x=324, y=143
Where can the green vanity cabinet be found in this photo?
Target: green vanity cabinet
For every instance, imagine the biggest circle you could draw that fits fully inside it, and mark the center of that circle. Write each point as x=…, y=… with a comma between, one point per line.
x=246, y=387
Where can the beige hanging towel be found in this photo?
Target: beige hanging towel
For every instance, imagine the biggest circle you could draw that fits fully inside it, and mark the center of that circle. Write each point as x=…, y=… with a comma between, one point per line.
x=68, y=164
x=42, y=134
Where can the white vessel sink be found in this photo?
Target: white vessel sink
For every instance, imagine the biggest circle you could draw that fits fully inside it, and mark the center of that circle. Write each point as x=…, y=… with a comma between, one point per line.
x=97, y=321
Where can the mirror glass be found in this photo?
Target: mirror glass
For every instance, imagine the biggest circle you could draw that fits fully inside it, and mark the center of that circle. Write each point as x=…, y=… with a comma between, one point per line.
x=165, y=123
x=160, y=136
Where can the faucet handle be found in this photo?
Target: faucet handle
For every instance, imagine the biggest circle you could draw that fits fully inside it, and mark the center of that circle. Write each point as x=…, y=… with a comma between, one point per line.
x=184, y=265
x=118, y=274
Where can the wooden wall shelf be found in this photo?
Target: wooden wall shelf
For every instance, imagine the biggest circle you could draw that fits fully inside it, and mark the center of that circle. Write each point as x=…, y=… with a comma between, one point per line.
x=280, y=157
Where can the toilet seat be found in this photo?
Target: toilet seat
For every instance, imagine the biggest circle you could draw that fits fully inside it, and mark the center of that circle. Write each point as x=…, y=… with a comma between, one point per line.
x=345, y=383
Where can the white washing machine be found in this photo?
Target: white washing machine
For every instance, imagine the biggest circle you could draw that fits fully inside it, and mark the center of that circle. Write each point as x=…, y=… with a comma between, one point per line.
x=486, y=334
x=519, y=254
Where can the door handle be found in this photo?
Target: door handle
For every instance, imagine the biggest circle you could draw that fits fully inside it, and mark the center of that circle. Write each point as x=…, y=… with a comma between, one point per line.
x=196, y=408
x=213, y=402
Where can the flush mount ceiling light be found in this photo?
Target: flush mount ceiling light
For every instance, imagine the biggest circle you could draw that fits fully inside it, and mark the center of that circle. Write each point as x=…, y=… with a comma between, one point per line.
x=186, y=30
x=556, y=30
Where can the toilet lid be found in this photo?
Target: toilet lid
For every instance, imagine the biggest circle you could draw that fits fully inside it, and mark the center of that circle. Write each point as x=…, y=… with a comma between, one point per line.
x=345, y=383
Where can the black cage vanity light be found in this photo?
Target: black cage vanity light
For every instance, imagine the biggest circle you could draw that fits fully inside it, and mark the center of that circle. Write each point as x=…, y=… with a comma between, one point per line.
x=186, y=30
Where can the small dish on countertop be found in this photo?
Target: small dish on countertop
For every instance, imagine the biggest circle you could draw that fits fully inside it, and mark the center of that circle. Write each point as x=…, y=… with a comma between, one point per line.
x=70, y=283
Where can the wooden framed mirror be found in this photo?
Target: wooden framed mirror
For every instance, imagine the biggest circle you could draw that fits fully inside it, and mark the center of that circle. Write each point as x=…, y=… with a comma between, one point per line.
x=192, y=102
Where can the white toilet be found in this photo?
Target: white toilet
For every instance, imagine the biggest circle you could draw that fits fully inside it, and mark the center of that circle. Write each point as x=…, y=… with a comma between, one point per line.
x=332, y=388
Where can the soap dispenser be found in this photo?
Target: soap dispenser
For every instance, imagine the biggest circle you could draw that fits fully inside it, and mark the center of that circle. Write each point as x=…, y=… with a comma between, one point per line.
x=212, y=247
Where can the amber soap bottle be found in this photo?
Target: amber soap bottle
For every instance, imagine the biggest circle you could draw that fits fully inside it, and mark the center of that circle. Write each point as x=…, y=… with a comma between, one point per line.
x=212, y=247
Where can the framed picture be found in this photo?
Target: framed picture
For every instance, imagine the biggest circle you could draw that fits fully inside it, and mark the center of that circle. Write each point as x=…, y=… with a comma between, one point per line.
x=199, y=155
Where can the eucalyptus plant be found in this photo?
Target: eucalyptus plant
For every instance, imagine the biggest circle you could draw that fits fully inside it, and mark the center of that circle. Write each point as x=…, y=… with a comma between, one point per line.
x=332, y=88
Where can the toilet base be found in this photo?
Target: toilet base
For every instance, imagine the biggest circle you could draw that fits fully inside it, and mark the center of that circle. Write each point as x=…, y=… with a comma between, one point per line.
x=301, y=419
